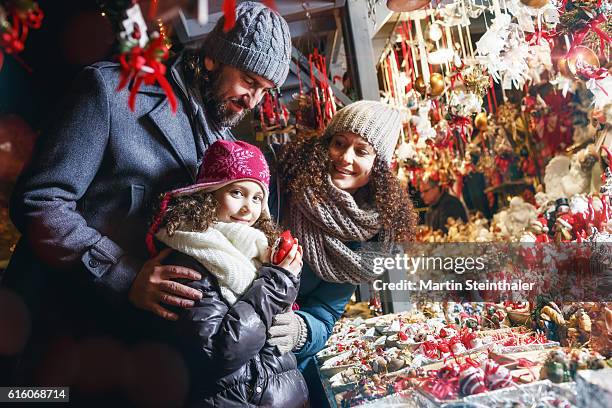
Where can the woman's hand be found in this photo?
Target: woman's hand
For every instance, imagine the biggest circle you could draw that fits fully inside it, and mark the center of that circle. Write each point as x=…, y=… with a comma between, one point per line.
x=293, y=261
x=288, y=332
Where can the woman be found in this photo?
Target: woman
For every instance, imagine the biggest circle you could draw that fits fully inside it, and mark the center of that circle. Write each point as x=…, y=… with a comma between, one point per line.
x=337, y=193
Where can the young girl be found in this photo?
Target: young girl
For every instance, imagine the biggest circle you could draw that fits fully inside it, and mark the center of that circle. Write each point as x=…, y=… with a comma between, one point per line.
x=221, y=227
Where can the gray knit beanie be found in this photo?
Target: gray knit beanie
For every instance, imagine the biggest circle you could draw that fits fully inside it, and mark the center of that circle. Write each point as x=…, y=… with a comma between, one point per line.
x=259, y=42
x=378, y=123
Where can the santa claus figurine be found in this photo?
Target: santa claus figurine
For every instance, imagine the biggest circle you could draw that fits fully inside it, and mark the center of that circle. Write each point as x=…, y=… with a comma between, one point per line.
x=599, y=213
x=564, y=221
x=537, y=231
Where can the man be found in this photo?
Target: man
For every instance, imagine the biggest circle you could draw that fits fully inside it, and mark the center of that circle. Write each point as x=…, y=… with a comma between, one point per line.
x=83, y=204
x=441, y=204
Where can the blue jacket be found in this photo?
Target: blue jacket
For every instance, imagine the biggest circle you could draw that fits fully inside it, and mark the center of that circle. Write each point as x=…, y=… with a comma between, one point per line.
x=321, y=303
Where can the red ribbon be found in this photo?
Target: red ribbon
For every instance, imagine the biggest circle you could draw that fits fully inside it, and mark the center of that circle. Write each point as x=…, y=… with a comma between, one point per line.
x=528, y=364
x=592, y=25
x=14, y=35
x=135, y=65
x=315, y=93
x=591, y=72
x=548, y=36
x=229, y=14
x=460, y=122
x=153, y=9
x=456, y=75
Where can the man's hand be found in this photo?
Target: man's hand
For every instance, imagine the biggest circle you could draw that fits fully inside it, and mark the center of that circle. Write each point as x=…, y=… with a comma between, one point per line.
x=153, y=286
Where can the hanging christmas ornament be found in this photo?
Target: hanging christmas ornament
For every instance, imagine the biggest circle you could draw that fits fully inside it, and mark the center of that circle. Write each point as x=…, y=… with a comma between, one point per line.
x=435, y=32
x=581, y=56
x=588, y=22
x=16, y=19
x=134, y=27
x=145, y=65
x=323, y=102
x=436, y=82
x=142, y=58
x=476, y=79
x=535, y=3
x=441, y=56
x=481, y=121
x=563, y=68
x=406, y=5
x=503, y=51
x=420, y=86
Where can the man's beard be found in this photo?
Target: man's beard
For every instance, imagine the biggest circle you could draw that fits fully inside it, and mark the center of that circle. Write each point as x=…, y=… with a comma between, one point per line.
x=217, y=108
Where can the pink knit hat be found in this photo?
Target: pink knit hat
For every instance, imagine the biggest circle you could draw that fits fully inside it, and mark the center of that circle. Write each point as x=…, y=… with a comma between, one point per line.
x=224, y=162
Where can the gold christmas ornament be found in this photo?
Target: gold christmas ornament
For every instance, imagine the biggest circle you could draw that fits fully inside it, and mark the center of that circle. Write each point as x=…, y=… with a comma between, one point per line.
x=419, y=85
x=506, y=114
x=535, y=3
x=521, y=125
x=581, y=56
x=481, y=121
x=437, y=84
x=476, y=80
x=406, y=5
x=563, y=68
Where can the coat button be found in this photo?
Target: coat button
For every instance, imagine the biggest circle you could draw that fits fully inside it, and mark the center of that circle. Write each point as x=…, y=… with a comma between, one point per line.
x=258, y=389
x=94, y=263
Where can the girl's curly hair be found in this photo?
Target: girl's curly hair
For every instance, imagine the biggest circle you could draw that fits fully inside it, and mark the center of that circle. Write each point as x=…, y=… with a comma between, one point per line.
x=196, y=212
x=304, y=163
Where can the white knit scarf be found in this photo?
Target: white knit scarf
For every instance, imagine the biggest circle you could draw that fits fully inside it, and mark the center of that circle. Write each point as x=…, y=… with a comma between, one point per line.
x=324, y=228
x=231, y=252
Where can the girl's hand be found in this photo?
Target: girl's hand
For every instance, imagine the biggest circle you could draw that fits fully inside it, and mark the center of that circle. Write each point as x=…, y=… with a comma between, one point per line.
x=293, y=261
x=266, y=256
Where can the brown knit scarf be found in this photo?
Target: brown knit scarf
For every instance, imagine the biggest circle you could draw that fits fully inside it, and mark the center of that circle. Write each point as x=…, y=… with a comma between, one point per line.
x=324, y=227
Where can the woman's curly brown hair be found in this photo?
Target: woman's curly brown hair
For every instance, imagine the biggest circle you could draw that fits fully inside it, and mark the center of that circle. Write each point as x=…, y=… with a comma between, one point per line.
x=196, y=212
x=304, y=163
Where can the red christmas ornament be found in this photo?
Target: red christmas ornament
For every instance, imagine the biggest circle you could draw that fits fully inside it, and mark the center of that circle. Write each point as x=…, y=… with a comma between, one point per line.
x=496, y=376
x=472, y=381
x=282, y=246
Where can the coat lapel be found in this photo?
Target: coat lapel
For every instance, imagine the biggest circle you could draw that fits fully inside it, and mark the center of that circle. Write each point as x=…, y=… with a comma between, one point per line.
x=177, y=130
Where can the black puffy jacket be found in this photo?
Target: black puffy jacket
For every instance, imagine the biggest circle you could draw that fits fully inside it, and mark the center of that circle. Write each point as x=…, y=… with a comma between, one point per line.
x=225, y=346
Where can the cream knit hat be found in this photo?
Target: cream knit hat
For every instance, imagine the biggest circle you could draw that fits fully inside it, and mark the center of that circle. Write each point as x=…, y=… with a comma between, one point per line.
x=378, y=123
